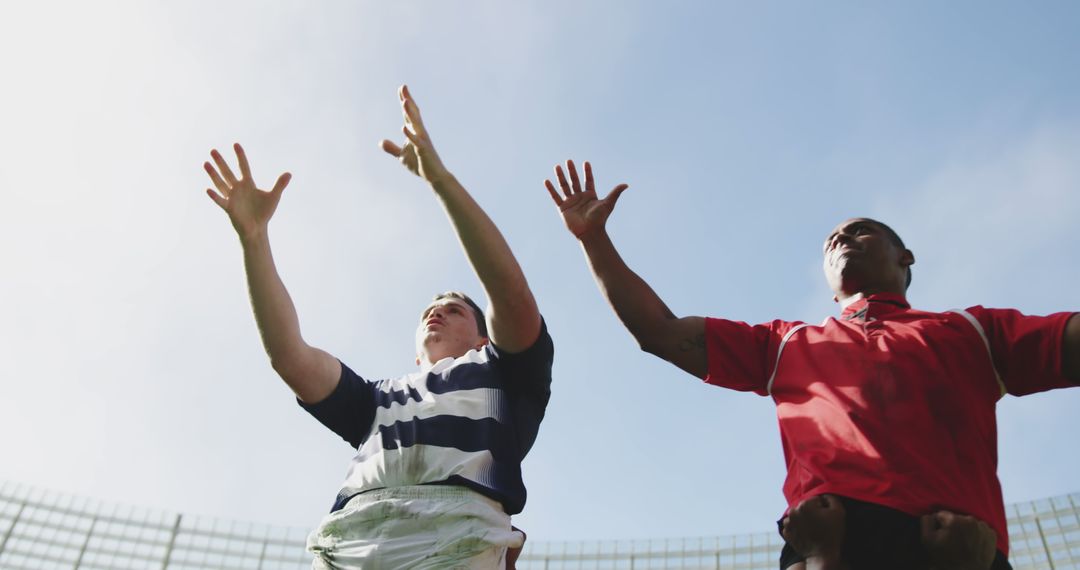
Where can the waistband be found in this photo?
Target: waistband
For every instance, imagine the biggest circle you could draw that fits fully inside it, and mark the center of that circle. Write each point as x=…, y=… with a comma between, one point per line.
x=423, y=492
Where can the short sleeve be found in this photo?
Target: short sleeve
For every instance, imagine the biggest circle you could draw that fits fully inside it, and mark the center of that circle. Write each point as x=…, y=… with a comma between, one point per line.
x=741, y=356
x=349, y=410
x=1026, y=350
x=527, y=376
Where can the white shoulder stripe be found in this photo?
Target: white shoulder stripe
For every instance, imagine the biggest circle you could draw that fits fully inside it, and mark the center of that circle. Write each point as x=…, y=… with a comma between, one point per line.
x=779, y=351
x=986, y=342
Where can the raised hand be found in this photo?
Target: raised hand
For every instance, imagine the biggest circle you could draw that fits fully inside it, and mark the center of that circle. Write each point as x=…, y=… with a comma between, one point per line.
x=417, y=154
x=249, y=208
x=581, y=211
x=958, y=542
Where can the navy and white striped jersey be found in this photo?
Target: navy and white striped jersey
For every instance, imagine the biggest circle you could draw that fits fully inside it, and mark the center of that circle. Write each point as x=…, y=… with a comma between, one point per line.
x=466, y=421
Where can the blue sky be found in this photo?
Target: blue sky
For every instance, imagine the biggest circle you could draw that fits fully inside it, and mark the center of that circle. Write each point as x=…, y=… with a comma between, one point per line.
x=129, y=362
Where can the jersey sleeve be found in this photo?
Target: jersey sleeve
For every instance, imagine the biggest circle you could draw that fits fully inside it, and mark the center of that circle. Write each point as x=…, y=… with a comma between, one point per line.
x=1027, y=350
x=741, y=356
x=528, y=382
x=349, y=410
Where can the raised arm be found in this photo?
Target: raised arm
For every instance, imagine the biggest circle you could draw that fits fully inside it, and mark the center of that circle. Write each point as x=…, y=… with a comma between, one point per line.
x=679, y=340
x=512, y=317
x=311, y=373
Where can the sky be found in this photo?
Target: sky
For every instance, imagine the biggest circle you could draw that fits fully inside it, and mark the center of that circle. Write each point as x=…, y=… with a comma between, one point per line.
x=130, y=366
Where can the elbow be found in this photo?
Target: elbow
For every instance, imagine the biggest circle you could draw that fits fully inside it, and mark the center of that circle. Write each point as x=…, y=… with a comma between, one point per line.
x=653, y=335
x=287, y=355
x=282, y=366
x=649, y=345
x=286, y=365
x=650, y=338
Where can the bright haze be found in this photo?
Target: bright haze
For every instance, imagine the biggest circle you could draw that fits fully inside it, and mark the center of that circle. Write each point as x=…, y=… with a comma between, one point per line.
x=130, y=366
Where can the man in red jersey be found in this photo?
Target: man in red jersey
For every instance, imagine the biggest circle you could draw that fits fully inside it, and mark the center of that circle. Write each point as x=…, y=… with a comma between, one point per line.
x=887, y=414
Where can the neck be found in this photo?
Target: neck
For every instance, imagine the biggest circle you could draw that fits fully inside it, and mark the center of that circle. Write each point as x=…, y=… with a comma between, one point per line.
x=847, y=298
x=428, y=359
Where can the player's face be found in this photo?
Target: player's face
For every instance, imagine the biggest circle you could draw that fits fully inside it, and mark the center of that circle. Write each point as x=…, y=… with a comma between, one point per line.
x=447, y=327
x=861, y=257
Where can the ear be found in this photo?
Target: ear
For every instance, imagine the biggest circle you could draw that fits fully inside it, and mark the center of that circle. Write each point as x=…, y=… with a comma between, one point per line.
x=907, y=258
x=418, y=360
x=835, y=299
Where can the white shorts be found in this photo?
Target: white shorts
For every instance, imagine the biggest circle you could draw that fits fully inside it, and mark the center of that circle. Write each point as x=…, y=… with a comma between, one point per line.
x=422, y=526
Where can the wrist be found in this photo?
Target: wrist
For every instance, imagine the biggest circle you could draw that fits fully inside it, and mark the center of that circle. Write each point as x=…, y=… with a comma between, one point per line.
x=440, y=181
x=593, y=237
x=252, y=236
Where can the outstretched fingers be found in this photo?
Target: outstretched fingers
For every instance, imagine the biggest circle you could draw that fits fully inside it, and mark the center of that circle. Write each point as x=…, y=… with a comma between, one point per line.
x=281, y=183
x=241, y=158
x=414, y=137
x=223, y=167
x=617, y=191
x=589, y=185
x=220, y=184
x=562, y=181
x=575, y=182
x=391, y=148
x=571, y=185
x=554, y=195
x=217, y=198
x=411, y=110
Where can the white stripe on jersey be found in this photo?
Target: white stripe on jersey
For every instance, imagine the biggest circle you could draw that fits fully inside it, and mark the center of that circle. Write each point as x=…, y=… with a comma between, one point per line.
x=416, y=464
x=475, y=404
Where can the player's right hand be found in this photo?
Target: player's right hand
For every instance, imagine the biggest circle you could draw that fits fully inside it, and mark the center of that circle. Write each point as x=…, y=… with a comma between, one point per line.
x=581, y=210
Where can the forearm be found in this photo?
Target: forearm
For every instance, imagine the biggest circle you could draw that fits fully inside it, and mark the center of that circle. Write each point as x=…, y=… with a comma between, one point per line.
x=300, y=365
x=514, y=316
x=640, y=309
x=1071, y=350
x=310, y=372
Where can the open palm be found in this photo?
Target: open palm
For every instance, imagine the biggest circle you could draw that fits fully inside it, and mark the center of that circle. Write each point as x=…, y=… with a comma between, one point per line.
x=581, y=210
x=249, y=208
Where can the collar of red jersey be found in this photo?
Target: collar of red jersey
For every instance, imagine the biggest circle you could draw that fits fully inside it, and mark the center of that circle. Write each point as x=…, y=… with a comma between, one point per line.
x=859, y=305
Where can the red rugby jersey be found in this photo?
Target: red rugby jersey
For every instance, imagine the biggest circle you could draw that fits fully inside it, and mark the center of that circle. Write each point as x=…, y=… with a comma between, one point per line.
x=892, y=405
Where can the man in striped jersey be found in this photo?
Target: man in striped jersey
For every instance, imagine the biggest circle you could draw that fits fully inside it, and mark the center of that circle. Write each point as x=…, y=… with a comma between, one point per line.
x=887, y=414
x=438, y=467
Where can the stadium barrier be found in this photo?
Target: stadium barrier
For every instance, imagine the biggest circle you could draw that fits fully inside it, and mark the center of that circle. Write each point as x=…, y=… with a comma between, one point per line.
x=42, y=529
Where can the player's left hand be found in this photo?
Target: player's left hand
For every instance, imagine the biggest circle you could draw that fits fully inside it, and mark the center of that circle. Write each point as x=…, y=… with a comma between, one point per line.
x=958, y=542
x=418, y=153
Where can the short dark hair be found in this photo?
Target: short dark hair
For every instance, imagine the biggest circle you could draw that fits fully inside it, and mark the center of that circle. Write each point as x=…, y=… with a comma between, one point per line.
x=481, y=322
x=895, y=238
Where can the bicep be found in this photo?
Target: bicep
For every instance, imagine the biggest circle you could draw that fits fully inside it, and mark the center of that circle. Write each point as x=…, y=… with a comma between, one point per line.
x=514, y=326
x=312, y=374
x=1070, y=350
x=681, y=341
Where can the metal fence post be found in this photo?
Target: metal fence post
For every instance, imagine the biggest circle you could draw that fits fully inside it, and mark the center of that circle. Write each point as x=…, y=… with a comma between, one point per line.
x=1042, y=537
x=172, y=542
x=11, y=529
x=262, y=555
x=86, y=542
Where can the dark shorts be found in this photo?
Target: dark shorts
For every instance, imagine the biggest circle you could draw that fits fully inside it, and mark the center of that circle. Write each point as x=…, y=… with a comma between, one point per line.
x=880, y=538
